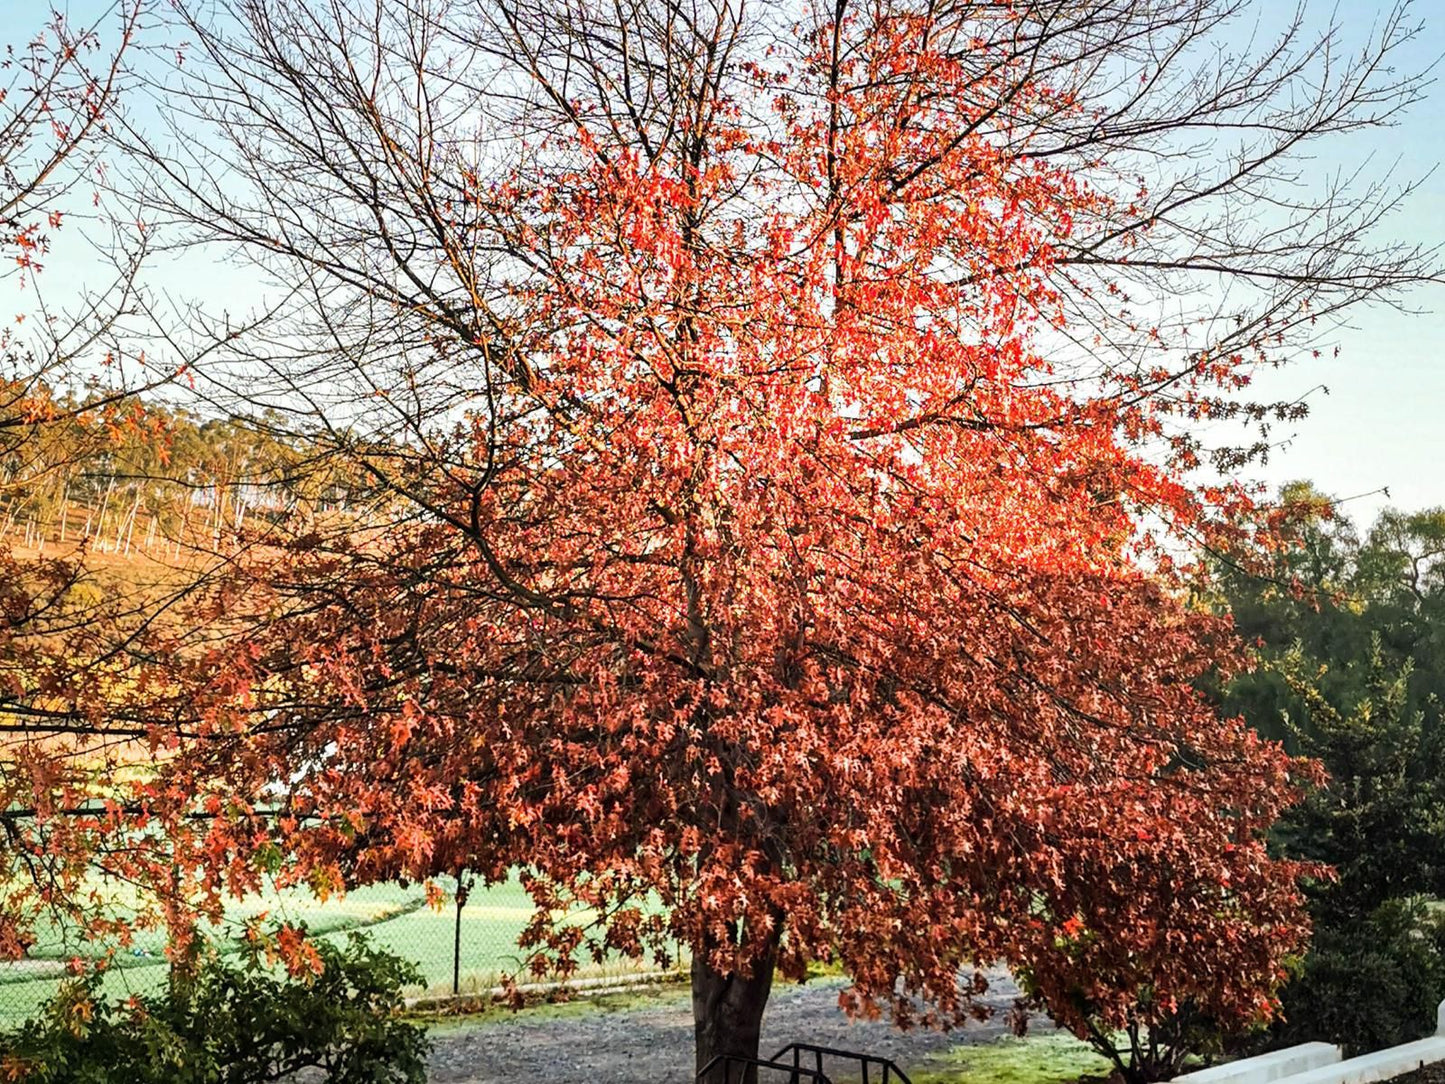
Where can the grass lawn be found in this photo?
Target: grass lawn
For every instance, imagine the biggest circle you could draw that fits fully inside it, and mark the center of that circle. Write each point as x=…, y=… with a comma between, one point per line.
x=1040, y=1059
x=397, y=919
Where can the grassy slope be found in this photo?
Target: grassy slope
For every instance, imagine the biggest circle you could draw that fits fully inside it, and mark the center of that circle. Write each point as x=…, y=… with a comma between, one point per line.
x=396, y=919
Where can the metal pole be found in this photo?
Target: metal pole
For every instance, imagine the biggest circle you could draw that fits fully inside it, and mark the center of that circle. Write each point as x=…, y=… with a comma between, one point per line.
x=457, y=942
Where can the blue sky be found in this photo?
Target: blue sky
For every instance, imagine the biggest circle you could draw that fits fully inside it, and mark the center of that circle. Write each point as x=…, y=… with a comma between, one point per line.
x=1382, y=424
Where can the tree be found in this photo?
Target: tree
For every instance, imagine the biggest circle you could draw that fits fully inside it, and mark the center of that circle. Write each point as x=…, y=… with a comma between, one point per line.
x=777, y=422
x=69, y=378
x=53, y=105
x=1378, y=822
x=1348, y=641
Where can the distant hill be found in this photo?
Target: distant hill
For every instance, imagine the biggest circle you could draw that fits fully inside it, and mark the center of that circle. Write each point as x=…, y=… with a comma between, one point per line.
x=146, y=478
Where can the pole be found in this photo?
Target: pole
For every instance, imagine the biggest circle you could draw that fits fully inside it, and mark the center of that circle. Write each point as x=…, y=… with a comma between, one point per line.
x=457, y=940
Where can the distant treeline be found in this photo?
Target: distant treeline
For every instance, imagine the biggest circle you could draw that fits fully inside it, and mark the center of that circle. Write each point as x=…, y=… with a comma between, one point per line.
x=147, y=477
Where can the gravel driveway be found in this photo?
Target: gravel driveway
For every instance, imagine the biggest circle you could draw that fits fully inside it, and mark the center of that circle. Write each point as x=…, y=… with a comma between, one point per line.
x=646, y=1039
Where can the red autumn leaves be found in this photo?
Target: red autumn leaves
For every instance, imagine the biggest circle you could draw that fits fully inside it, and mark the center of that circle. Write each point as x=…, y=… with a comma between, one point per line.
x=786, y=598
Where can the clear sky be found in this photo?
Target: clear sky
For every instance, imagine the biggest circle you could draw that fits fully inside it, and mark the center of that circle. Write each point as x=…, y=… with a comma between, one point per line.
x=1382, y=424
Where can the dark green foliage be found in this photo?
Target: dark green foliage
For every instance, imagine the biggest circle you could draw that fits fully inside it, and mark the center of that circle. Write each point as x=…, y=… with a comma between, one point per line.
x=1380, y=821
x=231, y=1023
x=1350, y=638
x=1371, y=983
x=1375, y=971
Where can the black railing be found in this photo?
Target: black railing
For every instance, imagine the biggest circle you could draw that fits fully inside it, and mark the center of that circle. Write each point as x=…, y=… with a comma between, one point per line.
x=734, y=1069
x=794, y=1054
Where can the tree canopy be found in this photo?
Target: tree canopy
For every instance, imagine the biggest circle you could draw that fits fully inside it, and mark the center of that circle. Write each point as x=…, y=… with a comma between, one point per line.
x=1347, y=633
x=784, y=432
x=771, y=432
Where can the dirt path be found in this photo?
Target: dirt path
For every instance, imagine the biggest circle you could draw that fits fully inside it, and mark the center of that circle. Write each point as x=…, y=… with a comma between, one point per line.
x=647, y=1039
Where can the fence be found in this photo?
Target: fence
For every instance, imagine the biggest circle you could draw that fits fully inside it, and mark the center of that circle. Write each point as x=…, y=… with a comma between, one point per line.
x=464, y=948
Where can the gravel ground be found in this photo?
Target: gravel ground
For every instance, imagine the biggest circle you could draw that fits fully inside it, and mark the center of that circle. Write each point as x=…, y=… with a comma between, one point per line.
x=649, y=1039
x=1430, y=1074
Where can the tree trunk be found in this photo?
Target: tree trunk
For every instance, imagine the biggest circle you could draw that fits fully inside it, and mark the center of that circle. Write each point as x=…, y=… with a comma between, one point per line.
x=727, y=1013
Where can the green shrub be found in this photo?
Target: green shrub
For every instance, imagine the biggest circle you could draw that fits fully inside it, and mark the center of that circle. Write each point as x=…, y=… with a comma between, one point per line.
x=1369, y=984
x=234, y=1020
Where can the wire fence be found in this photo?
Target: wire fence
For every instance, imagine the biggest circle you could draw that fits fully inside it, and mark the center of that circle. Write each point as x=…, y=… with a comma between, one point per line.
x=464, y=948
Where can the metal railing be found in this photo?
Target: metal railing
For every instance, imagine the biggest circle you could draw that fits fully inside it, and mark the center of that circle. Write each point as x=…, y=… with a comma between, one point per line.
x=888, y=1070
x=720, y=1070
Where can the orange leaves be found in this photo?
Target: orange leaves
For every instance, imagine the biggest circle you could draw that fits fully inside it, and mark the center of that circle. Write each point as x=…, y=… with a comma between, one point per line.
x=284, y=944
x=789, y=578
x=297, y=953
x=436, y=896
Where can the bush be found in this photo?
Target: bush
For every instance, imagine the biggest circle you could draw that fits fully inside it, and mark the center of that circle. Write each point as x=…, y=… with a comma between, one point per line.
x=1375, y=971
x=1369, y=984
x=231, y=1023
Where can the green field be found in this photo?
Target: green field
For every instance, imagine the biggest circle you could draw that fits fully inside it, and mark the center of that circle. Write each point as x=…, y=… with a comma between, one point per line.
x=397, y=919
